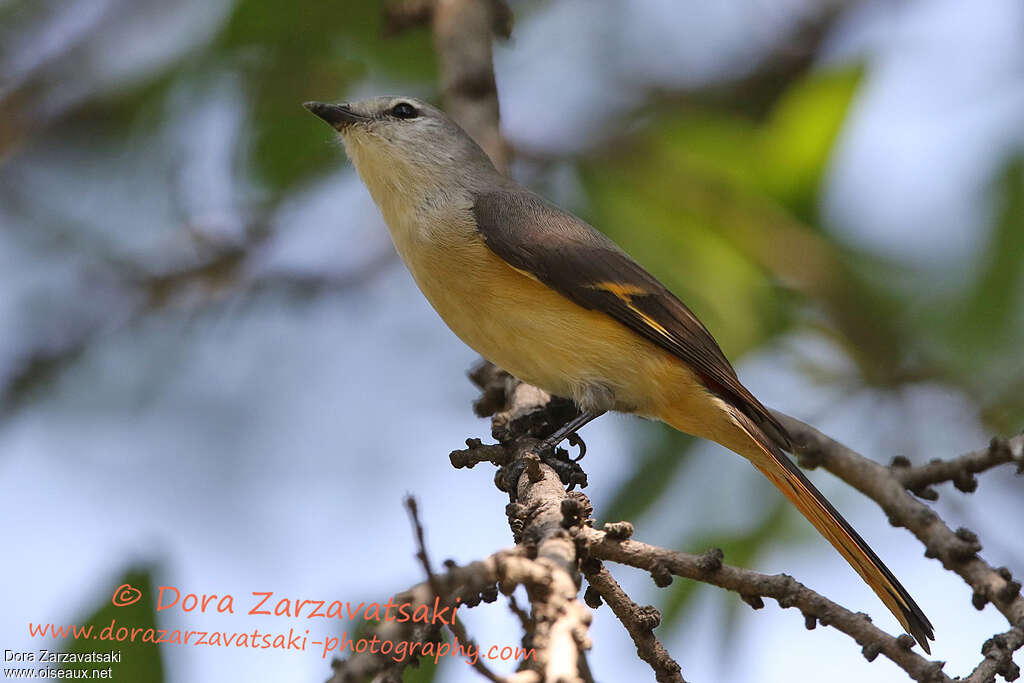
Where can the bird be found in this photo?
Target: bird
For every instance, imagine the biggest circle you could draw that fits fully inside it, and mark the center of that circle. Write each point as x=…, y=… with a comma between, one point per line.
x=553, y=301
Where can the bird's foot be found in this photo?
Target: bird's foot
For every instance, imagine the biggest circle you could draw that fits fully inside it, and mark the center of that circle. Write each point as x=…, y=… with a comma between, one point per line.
x=568, y=469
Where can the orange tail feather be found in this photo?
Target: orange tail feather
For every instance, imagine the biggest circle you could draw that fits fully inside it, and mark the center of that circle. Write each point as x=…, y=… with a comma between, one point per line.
x=827, y=520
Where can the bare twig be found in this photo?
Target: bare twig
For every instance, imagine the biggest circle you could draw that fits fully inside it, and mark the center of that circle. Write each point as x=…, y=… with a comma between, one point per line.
x=455, y=626
x=752, y=586
x=959, y=470
x=998, y=651
x=472, y=584
x=639, y=621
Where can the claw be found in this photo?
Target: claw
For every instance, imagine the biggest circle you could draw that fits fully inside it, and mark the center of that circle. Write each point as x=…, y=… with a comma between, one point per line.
x=576, y=440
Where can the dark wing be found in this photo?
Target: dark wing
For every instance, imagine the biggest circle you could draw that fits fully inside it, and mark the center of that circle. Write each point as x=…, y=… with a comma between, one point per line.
x=581, y=264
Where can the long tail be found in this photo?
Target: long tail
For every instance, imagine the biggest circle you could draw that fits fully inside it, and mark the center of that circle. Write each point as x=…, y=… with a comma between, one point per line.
x=812, y=504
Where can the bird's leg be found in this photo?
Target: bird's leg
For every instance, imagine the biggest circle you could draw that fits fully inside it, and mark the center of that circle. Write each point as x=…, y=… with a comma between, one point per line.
x=568, y=470
x=569, y=429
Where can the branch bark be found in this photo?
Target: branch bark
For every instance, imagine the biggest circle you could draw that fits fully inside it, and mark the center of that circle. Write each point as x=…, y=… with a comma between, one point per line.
x=961, y=470
x=462, y=35
x=639, y=621
x=752, y=586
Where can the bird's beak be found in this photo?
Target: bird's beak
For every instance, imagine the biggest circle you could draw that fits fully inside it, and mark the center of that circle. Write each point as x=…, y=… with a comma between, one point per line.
x=339, y=116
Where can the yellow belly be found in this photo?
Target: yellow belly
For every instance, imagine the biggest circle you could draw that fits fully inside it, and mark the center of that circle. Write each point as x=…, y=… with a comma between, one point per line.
x=545, y=339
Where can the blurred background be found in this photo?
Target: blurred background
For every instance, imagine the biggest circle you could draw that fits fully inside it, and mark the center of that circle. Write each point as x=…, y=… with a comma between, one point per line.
x=215, y=374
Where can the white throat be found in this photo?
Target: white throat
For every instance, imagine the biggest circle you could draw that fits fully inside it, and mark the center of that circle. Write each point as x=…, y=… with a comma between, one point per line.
x=415, y=206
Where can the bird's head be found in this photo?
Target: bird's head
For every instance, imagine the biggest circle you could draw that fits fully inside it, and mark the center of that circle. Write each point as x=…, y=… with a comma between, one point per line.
x=401, y=144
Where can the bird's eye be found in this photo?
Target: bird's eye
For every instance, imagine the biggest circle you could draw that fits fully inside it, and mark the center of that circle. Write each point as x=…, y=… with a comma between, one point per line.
x=404, y=110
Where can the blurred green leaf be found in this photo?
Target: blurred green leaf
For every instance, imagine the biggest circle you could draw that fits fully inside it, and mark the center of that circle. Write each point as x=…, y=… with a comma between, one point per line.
x=426, y=669
x=713, y=144
x=290, y=54
x=798, y=138
x=657, y=214
x=722, y=210
x=993, y=309
x=705, y=200
x=984, y=339
x=140, y=661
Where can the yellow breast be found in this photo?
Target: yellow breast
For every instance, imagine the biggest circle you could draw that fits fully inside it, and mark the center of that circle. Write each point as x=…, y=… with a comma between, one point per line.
x=540, y=336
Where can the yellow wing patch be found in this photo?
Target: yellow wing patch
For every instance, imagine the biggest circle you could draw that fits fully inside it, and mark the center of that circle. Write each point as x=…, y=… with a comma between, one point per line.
x=625, y=293
x=622, y=291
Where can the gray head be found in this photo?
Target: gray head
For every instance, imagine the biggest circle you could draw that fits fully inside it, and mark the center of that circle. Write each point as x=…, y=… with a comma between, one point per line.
x=404, y=144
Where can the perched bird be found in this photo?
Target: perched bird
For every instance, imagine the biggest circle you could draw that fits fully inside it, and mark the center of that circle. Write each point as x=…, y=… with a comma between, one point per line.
x=547, y=297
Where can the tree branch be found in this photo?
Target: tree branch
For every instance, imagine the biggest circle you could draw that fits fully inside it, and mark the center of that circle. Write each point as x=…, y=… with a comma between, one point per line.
x=639, y=621
x=455, y=627
x=959, y=470
x=752, y=586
